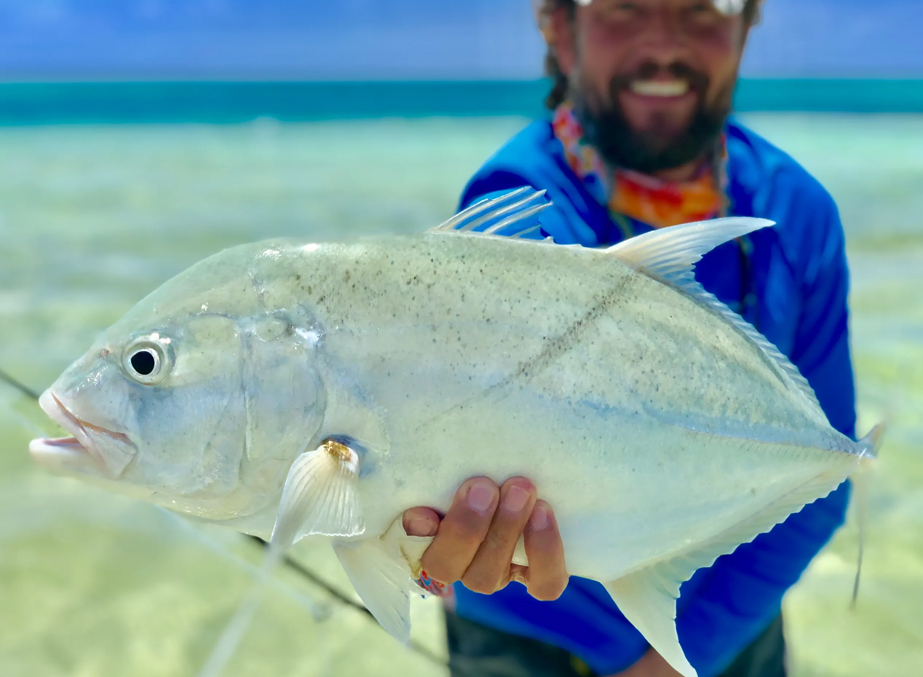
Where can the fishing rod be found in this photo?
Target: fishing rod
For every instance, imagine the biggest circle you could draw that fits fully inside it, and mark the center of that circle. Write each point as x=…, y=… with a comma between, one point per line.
x=288, y=561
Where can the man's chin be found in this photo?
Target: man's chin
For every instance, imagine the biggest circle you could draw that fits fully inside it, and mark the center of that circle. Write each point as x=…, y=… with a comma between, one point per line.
x=666, y=119
x=659, y=143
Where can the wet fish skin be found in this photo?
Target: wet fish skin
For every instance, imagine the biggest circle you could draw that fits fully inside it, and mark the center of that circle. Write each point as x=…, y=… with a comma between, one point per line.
x=660, y=429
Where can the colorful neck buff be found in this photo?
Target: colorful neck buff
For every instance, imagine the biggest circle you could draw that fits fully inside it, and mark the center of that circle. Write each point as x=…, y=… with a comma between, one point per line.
x=628, y=193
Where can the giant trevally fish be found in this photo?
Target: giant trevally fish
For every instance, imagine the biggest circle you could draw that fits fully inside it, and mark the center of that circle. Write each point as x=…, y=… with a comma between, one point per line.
x=291, y=390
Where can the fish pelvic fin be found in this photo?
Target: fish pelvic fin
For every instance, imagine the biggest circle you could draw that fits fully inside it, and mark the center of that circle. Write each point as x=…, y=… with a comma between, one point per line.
x=320, y=496
x=381, y=577
x=512, y=215
x=647, y=598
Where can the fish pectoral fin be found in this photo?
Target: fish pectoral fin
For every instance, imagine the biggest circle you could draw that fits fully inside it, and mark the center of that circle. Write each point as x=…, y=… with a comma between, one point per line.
x=647, y=598
x=381, y=577
x=320, y=496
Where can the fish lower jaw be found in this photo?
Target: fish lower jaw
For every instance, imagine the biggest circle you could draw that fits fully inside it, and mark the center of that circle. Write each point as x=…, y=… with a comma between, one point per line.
x=63, y=453
x=84, y=443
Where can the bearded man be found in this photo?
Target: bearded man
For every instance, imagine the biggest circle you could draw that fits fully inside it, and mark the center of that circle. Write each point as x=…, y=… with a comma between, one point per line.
x=640, y=138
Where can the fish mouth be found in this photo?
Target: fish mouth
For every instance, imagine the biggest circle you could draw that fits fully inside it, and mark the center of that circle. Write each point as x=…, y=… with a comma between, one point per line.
x=81, y=451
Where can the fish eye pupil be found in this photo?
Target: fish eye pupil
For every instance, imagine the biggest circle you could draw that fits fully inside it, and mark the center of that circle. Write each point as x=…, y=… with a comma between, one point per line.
x=144, y=362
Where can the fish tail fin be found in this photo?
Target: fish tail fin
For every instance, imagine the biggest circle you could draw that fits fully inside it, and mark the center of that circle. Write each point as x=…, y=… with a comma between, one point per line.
x=868, y=446
x=871, y=443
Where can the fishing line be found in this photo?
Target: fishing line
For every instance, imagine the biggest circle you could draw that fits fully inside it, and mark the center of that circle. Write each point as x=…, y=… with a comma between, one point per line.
x=297, y=566
x=287, y=561
x=25, y=390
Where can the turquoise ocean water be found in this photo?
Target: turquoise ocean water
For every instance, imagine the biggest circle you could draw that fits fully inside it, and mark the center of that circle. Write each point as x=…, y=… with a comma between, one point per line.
x=94, y=216
x=229, y=102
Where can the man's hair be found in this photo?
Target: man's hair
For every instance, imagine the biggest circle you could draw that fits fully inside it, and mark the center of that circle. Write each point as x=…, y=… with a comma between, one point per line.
x=559, y=87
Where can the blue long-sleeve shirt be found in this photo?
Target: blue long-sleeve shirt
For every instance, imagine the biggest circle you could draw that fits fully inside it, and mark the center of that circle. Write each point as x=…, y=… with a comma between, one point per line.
x=797, y=276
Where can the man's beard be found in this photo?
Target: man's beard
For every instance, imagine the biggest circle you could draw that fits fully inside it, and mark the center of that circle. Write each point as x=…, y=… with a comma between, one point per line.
x=607, y=129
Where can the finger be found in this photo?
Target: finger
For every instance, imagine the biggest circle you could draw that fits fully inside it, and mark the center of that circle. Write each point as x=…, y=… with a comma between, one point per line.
x=421, y=522
x=547, y=574
x=519, y=574
x=461, y=530
x=490, y=569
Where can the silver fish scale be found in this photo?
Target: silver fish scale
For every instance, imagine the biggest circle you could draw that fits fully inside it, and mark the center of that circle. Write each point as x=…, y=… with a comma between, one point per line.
x=472, y=355
x=500, y=357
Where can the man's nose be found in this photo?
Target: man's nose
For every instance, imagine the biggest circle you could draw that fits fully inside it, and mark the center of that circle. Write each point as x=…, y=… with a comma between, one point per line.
x=662, y=40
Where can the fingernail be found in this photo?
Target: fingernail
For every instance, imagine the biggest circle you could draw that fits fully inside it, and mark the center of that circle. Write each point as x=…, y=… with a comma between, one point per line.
x=539, y=519
x=421, y=526
x=481, y=496
x=515, y=499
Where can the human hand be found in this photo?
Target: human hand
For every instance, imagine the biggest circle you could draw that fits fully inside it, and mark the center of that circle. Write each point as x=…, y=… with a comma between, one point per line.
x=474, y=542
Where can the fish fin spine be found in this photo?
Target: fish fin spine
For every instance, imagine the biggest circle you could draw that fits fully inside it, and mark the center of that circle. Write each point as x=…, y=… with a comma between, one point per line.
x=514, y=213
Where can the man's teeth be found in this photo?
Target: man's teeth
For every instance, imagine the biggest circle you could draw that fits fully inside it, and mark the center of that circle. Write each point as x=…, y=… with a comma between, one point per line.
x=660, y=87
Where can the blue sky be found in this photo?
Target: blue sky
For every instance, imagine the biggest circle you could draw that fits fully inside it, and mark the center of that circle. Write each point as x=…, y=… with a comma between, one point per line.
x=401, y=39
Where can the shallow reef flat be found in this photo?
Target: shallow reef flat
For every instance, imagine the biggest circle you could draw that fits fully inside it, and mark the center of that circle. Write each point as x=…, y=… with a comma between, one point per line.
x=93, y=217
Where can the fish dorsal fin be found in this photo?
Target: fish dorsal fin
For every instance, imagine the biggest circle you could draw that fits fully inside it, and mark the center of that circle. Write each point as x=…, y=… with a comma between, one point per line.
x=513, y=215
x=671, y=254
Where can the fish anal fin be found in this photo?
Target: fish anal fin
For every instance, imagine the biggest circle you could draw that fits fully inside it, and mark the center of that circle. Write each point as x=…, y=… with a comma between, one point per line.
x=647, y=598
x=320, y=496
x=381, y=577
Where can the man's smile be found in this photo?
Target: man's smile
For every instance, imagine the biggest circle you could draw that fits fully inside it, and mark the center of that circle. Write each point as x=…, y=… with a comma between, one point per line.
x=660, y=88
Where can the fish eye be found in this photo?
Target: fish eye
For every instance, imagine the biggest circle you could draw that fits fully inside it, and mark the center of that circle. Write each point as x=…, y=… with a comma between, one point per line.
x=147, y=360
